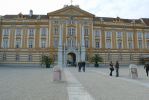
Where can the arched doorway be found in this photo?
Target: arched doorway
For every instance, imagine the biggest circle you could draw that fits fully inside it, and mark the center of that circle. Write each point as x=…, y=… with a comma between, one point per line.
x=71, y=59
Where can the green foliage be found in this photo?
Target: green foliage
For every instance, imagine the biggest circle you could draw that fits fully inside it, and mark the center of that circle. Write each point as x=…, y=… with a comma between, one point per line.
x=96, y=58
x=46, y=60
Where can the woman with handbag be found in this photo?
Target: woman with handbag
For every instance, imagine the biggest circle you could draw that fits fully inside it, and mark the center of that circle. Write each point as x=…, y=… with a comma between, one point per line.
x=111, y=68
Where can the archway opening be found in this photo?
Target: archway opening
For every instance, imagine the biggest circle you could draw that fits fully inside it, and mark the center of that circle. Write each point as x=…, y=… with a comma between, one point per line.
x=71, y=59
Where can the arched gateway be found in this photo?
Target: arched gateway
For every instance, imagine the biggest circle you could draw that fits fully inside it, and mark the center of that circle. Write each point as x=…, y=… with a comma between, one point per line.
x=71, y=59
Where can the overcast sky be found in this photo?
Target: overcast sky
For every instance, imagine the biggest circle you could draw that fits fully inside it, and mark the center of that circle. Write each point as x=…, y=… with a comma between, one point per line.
x=132, y=9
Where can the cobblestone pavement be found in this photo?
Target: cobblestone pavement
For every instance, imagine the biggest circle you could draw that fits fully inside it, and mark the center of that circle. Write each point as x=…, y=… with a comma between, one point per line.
x=104, y=87
x=35, y=83
x=30, y=83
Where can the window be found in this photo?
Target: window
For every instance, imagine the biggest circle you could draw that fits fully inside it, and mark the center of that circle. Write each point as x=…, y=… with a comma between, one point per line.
x=108, y=34
x=55, y=42
x=97, y=33
x=43, y=43
x=130, y=35
x=130, y=44
x=108, y=39
x=71, y=31
x=56, y=30
x=31, y=43
x=5, y=43
x=86, y=43
x=18, y=43
x=119, y=40
x=147, y=43
x=31, y=32
x=140, y=43
x=86, y=31
x=18, y=32
x=119, y=44
x=108, y=43
x=130, y=40
x=139, y=36
x=97, y=44
x=147, y=35
x=43, y=31
x=119, y=34
x=29, y=58
x=6, y=32
x=147, y=39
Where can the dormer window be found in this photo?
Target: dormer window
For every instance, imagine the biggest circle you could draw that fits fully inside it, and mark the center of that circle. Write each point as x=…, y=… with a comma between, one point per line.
x=20, y=15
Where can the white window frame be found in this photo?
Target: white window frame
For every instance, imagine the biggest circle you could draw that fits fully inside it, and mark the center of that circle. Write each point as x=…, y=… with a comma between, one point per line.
x=20, y=44
x=43, y=43
x=4, y=45
x=43, y=32
x=130, y=39
x=119, y=37
x=140, y=39
x=108, y=36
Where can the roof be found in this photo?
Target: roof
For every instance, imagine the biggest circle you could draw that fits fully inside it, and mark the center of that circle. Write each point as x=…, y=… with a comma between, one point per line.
x=111, y=19
x=68, y=10
x=26, y=16
x=146, y=21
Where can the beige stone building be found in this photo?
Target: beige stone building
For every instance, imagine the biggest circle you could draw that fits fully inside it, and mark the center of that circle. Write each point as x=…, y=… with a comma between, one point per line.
x=25, y=38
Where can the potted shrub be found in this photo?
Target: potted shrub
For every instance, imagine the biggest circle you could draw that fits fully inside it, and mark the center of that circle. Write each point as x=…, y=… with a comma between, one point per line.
x=46, y=60
x=96, y=59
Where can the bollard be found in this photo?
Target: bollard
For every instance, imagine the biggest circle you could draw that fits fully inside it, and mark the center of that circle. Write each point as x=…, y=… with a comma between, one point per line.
x=56, y=73
x=133, y=71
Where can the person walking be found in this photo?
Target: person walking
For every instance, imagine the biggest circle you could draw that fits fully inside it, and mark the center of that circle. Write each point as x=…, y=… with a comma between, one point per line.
x=83, y=65
x=79, y=66
x=117, y=68
x=146, y=67
x=111, y=68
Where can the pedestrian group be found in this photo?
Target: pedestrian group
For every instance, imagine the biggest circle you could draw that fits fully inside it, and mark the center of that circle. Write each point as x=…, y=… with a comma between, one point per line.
x=116, y=68
x=81, y=65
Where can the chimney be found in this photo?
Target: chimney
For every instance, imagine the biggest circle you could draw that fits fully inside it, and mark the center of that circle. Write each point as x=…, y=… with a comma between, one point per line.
x=31, y=13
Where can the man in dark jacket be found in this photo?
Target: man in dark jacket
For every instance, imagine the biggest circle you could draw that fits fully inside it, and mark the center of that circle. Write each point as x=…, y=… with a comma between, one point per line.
x=111, y=68
x=83, y=65
x=117, y=69
x=79, y=66
x=147, y=68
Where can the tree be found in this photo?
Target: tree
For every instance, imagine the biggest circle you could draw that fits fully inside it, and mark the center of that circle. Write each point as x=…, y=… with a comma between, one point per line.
x=46, y=60
x=96, y=58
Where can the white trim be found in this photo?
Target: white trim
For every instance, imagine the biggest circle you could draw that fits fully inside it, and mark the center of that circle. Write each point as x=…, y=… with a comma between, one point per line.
x=19, y=38
x=7, y=37
x=106, y=39
x=131, y=39
x=118, y=39
x=33, y=36
x=140, y=39
x=46, y=37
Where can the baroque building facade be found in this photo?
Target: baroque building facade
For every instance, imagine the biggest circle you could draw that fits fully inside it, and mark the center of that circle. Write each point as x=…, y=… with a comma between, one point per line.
x=25, y=38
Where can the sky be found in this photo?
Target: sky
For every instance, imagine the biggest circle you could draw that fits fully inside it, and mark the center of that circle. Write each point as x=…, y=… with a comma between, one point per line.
x=131, y=9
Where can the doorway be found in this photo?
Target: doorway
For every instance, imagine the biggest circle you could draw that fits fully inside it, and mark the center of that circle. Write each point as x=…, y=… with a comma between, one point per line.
x=71, y=59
